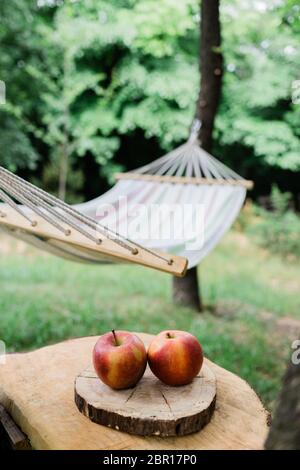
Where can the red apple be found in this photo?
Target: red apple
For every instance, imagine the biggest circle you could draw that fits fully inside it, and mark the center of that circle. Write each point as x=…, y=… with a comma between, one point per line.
x=119, y=359
x=175, y=357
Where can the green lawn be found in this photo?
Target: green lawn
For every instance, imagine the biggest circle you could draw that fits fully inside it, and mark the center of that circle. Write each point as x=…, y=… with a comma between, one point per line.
x=250, y=298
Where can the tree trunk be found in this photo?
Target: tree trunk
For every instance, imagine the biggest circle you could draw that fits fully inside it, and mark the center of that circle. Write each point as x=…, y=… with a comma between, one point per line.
x=63, y=173
x=65, y=147
x=211, y=66
x=186, y=290
x=285, y=430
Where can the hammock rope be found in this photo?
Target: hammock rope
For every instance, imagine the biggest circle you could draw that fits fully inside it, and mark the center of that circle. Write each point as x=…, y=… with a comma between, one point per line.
x=44, y=200
x=191, y=161
x=35, y=198
x=4, y=197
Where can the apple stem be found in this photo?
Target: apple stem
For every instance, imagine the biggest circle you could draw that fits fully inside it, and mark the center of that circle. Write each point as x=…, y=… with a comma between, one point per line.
x=115, y=336
x=169, y=335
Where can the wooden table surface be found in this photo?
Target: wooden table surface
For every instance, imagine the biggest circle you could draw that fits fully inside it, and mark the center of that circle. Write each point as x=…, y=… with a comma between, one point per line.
x=37, y=389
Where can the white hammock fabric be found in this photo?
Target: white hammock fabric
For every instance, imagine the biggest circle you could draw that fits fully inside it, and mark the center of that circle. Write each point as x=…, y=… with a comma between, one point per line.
x=187, y=176
x=221, y=203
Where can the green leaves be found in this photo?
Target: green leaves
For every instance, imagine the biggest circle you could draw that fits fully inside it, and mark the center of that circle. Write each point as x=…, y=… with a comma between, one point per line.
x=156, y=36
x=123, y=67
x=21, y=59
x=263, y=57
x=103, y=148
x=84, y=78
x=278, y=231
x=16, y=148
x=273, y=142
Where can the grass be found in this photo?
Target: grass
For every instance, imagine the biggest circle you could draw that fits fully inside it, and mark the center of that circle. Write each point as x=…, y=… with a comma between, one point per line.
x=246, y=291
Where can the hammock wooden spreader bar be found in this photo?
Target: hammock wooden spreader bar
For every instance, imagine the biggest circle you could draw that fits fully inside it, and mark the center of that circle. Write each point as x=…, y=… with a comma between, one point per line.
x=248, y=184
x=48, y=218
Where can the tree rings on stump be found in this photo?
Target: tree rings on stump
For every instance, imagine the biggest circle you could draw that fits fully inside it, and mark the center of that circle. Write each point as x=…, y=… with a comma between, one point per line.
x=150, y=408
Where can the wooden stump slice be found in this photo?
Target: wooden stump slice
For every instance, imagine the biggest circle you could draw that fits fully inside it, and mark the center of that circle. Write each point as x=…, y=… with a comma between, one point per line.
x=150, y=408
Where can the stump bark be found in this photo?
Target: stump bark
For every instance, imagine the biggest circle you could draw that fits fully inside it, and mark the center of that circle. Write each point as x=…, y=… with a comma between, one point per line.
x=285, y=430
x=37, y=390
x=150, y=408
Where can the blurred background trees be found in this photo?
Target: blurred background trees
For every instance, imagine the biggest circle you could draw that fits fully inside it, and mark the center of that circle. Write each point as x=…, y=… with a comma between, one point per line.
x=94, y=87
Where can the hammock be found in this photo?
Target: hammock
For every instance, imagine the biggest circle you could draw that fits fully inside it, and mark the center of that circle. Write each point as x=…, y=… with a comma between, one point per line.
x=187, y=180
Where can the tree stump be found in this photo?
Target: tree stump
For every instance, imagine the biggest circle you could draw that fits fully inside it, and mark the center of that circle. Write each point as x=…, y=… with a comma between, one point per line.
x=150, y=408
x=37, y=390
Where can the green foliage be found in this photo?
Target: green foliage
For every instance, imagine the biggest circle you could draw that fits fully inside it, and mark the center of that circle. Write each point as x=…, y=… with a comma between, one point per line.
x=263, y=56
x=278, y=230
x=21, y=55
x=16, y=148
x=84, y=77
x=50, y=177
x=137, y=53
x=291, y=14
